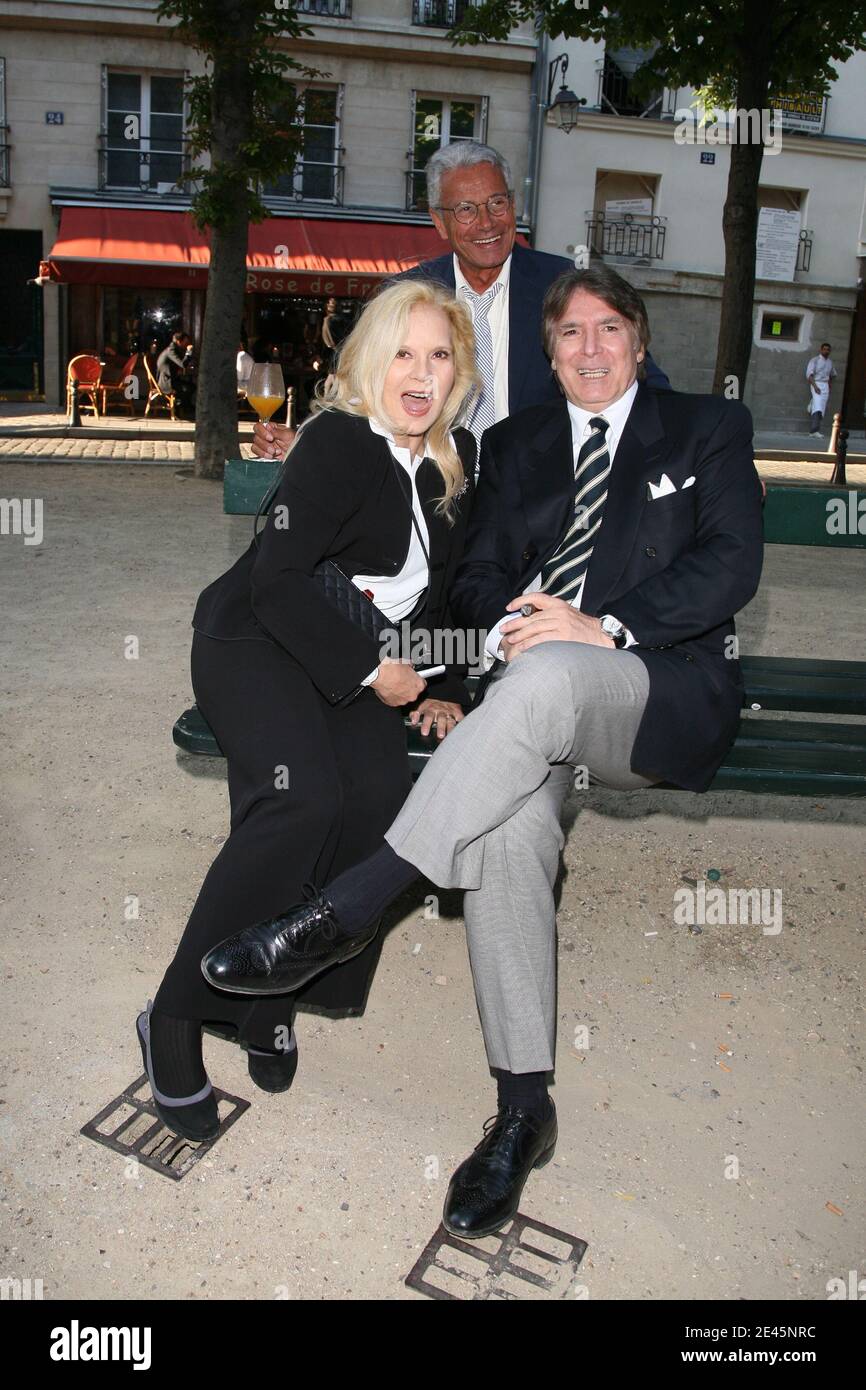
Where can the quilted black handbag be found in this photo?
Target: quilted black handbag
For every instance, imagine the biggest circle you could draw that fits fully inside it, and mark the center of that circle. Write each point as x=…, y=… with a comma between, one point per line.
x=335, y=584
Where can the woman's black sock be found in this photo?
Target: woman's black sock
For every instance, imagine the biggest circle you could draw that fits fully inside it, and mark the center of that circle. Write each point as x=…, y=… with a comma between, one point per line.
x=527, y=1089
x=175, y=1051
x=361, y=894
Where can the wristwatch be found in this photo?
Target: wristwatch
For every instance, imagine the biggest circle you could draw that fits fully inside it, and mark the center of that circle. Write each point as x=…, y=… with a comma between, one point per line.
x=614, y=629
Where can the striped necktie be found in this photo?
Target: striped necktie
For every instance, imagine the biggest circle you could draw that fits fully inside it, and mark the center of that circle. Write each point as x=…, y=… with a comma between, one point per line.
x=566, y=569
x=483, y=409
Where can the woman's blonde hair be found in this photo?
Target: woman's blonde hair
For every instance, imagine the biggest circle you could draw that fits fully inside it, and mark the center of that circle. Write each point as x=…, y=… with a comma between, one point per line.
x=357, y=383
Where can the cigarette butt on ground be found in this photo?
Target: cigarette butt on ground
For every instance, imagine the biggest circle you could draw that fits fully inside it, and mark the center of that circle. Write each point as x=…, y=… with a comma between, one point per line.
x=837, y=1211
x=723, y=1067
x=723, y=996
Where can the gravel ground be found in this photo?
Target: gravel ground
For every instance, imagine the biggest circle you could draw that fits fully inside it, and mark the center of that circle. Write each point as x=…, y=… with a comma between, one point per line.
x=693, y=1172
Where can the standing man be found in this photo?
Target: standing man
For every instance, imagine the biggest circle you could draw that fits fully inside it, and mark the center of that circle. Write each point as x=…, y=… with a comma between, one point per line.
x=819, y=374
x=616, y=530
x=471, y=202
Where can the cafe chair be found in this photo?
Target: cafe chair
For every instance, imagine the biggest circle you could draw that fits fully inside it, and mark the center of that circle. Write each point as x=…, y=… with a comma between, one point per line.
x=155, y=393
x=116, y=387
x=86, y=370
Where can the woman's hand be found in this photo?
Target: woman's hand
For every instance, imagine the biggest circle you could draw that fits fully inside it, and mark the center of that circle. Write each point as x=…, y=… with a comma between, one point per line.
x=397, y=683
x=441, y=715
x=272, y=441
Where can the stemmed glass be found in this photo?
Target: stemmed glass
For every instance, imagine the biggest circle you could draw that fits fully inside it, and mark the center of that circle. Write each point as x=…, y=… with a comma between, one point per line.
x=266, y=389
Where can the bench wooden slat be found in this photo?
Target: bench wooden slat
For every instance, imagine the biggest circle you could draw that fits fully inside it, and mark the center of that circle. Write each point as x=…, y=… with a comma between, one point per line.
x=797, y=684
x=787, y=756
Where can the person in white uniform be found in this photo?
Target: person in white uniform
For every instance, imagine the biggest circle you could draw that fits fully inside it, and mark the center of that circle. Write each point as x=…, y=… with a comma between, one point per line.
x=819, y=374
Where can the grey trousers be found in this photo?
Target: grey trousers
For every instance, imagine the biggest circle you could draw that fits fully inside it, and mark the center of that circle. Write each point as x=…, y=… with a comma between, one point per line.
x=485, y=816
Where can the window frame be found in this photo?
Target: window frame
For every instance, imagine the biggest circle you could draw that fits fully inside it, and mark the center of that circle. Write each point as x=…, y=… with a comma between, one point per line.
x=145, y=112
x=296, y=175
x=414, y=203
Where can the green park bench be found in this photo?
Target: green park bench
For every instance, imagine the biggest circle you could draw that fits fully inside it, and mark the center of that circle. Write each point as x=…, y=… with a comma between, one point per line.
x=799, y=757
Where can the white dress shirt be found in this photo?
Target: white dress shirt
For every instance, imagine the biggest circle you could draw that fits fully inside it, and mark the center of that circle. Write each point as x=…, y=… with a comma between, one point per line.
x=497, y=317
x=616, y=416
x=397, y=595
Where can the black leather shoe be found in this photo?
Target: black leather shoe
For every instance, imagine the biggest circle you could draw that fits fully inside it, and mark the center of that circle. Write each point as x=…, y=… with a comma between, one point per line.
x=273, y=1071
x=280, y=956
x=485, y=1191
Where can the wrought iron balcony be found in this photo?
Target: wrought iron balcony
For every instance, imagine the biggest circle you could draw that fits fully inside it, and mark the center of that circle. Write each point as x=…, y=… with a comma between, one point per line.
x=629, y=235
x=439, y=14
x=310, y=181
x=5, y=162
x=148, y=166
x=330, y=9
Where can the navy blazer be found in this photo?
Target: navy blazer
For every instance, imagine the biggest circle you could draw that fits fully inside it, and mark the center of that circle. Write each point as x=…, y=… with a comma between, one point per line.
x=673, y=568
x=530, y=379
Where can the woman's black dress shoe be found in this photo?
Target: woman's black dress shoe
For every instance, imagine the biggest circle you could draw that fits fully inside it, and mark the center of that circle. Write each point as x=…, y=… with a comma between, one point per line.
x=273, y=1071
x=280, y=956
x=190, y=1117
x=485, y=1191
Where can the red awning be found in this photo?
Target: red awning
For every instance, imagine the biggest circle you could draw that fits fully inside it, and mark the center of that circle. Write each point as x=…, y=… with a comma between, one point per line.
x=285, y=255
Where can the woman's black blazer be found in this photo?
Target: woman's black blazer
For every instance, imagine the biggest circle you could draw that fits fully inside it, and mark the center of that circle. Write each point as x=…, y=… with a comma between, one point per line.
x=339, y=499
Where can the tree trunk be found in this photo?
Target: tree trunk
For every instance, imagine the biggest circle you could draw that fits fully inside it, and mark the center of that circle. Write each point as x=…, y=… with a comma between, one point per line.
x=740, y=217
x=216, y=432
x=216, y=429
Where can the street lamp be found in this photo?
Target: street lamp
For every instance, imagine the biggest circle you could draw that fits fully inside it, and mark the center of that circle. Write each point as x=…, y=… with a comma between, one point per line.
x=566, y=106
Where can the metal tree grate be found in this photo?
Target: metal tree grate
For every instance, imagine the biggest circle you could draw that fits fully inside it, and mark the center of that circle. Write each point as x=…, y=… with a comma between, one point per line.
x=130, y=1125
x=540, y=1258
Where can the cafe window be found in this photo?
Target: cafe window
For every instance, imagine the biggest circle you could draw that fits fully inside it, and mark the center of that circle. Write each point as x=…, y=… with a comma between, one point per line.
x=142, y=138
x=317, y=172
x=436, y=122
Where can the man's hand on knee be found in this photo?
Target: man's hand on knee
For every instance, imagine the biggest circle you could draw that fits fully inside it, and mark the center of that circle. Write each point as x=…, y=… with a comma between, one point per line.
x=554, y=620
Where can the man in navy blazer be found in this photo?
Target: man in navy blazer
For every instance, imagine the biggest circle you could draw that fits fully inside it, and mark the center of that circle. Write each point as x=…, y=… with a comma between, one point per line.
x=471, y=201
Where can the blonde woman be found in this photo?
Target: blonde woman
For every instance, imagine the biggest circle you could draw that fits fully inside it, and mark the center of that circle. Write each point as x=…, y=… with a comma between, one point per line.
x=308, y=713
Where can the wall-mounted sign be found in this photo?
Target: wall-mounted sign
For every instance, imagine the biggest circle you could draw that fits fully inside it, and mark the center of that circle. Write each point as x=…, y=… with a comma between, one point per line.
x=800, y=111
x=777, y=244
x=636, y=207
x=54, y=118
x=708, y=156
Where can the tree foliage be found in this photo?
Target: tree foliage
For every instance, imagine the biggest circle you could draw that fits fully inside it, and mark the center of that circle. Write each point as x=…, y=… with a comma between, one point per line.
x=737, y=55
x=233, y=35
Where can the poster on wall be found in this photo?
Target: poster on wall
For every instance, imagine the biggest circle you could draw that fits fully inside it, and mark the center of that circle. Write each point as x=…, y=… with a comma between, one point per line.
x=777, y=244
x=616, y=208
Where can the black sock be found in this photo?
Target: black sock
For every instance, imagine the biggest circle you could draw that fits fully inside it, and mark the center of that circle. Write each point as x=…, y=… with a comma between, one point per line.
x=527, y=1089
x=175, y=1051
x=361, y=894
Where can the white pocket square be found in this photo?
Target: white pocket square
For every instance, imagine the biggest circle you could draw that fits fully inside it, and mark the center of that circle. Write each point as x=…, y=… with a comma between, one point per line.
x=663, y=488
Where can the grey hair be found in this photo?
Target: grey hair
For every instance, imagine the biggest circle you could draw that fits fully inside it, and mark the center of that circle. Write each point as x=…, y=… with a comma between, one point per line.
x=461, y=154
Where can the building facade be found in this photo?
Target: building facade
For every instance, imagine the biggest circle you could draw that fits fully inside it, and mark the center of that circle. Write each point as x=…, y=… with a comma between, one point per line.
x=93, y=164
x=636, y=182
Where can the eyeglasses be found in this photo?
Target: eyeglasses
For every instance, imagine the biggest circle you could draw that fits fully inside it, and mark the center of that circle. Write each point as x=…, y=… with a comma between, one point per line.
x=466, y=213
